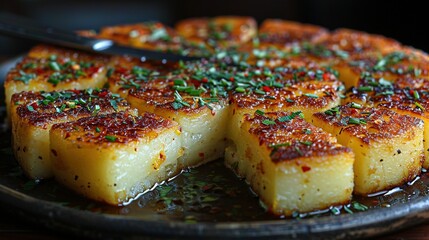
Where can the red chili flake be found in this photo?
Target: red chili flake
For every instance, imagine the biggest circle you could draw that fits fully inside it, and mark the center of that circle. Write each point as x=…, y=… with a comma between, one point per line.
x=231, y=79
x=266, y=88
x=121, y=70
x=354, y=111
x=196, y=83
x=103, y=94
x=35, y=105
x=326, y=76
x=305, y=168
x=411, y=92
x=246, y=74
x=201, y=154
x=75, y=91
x=39, y=71
x=302, y=74
x=92, y=70
x=204, y=80
x=67, y=135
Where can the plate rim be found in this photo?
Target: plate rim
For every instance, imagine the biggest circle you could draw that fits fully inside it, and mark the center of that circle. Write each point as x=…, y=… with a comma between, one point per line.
x=377, y=221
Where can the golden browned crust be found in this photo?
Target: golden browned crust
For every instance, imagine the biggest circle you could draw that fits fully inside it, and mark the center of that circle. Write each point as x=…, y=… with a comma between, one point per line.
x=65, y=54
x=149, y=35
x=231, y=29
x=369, y=124
x=55, y=69
x=391, y=65
x=277, y=31
x=357, y=42
x=304, y=94
x=288, y=136
x=129, y=73
x=42, y=108
x=120, y=127
x=406, y=94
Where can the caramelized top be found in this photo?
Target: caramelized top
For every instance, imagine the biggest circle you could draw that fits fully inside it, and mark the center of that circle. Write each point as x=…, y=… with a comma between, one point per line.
x=43, y=108
x=394, y=64
x=56, y=69
x=406, y=94
x=310, y=94
x=149, y=35
x=276, y=31
x=223, y=29
x=289, y=137
x=128, y=73
x=369, y=124
x=356, y=42
x=120, y=127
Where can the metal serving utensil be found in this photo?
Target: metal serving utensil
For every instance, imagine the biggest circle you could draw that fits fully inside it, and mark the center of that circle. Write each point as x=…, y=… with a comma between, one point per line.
x=18, y=26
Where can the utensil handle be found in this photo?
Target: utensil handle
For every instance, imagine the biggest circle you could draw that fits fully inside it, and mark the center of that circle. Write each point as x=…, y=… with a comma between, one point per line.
x=18, y=26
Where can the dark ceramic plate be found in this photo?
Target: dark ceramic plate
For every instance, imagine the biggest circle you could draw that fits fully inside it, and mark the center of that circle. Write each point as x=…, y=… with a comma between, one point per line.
x=208, y=202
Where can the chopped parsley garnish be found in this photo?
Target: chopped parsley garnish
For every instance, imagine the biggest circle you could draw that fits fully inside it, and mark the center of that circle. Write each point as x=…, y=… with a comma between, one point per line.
x=355, y=105
x=418, y=105
x=291, y=116
x=30, y=108
x=311, y=95
x=25, y=77
x=365, y=89
x=178, y=101
x=259, y=112
x=268, y=122
x=110, y=138
x=114, y=104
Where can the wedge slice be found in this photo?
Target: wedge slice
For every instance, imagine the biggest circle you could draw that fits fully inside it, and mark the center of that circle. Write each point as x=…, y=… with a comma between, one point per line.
x=49, y=68
x=33, y=114
x=114, y=157
x=203, y=120
x=291, y=164
x=388, y=146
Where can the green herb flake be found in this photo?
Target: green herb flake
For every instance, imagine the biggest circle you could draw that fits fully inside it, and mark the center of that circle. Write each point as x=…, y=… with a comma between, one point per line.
x=97, y=129
x=417, y=72
x=30, y=108
x=355, y=105
x=110, y=72
x=54, y=66
x=276, y=146
x=240, y=90
x=299, y=151
x=335, y=211
x=291, y=116
x=306, y=143
x=419, y=106
x=268, y=122
x=259, y=112
x=114, y=104
x=110, y=138
x=25, y=78
x=359, y=206
x=311, y=95
x=307, y=131
x=365, y=88
x=356, y=121
x=348, y=210
x=416, y=94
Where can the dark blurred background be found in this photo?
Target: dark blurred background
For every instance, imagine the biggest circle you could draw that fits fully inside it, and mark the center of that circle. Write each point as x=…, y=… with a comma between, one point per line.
x=405, y=21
